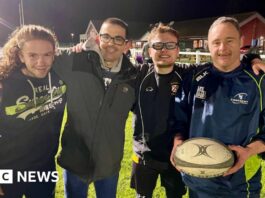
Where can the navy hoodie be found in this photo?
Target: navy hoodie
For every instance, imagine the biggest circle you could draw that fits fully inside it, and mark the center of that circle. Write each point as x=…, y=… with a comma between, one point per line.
x=31, y=113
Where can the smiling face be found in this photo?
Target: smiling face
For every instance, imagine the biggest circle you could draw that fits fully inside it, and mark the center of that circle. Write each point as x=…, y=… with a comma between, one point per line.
x=164, y=58
x=112, y=52
x=224, y=45
x=38, y=56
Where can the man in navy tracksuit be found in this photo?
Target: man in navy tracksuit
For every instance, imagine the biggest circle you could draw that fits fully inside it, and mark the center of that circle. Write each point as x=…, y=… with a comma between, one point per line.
x=224, y=101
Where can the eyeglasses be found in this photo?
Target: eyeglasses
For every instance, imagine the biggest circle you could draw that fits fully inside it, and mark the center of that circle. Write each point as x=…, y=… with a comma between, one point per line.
x=118, y=40
x=167, y=45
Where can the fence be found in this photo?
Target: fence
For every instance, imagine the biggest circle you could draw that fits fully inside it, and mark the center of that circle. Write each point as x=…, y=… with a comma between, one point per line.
x=198, y=57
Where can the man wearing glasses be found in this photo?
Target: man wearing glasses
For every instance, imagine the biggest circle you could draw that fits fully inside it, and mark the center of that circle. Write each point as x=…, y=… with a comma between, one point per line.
x=100, y=95
x=157, y=85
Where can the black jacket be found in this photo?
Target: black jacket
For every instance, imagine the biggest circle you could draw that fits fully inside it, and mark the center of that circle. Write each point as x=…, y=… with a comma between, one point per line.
x=153, y=113
x=93, y=138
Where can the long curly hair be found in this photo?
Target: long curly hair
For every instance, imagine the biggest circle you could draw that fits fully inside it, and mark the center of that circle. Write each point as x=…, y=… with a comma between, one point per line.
x=10, y=59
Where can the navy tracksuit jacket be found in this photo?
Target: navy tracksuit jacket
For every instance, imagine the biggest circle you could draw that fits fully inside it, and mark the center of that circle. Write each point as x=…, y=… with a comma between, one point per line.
x=228, y=107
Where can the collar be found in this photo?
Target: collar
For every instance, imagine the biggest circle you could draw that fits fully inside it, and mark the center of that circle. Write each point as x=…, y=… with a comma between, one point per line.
x=114, y=69
x=230, y=74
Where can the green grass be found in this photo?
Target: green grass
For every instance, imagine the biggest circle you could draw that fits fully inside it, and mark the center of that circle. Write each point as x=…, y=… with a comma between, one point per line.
x=124, y=189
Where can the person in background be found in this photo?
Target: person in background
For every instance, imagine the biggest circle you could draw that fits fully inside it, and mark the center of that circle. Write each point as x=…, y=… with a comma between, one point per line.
x=224, y=101
x=139, y=59
x=32, y=100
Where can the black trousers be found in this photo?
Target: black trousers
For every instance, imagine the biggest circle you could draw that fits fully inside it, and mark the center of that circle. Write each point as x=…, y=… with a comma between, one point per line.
x=144, y=178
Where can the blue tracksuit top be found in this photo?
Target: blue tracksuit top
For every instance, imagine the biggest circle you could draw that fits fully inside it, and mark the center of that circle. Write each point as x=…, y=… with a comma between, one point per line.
x=228, y=107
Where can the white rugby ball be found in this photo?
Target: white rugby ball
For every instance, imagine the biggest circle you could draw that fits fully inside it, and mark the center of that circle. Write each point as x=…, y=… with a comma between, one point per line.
x=203, y=157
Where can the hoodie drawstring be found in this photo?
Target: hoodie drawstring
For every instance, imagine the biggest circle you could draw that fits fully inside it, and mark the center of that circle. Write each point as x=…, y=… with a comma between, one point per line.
x=50, y=86
x=34, y=92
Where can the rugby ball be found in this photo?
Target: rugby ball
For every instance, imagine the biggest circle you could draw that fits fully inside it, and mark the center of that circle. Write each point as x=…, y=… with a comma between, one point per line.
x=203, y=157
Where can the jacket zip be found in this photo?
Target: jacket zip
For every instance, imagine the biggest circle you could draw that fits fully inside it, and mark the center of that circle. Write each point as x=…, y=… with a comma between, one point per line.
x=140, y=110
x=111, y=86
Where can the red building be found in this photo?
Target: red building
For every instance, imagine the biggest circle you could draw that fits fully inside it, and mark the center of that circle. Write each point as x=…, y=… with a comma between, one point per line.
x=193, y=33
x=253, y=30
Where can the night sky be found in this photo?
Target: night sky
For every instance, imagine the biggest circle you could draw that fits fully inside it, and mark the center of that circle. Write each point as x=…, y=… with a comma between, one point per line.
x=67, y=16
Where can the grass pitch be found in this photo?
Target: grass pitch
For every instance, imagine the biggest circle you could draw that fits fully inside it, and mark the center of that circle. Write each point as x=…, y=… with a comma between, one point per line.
x=124, y=189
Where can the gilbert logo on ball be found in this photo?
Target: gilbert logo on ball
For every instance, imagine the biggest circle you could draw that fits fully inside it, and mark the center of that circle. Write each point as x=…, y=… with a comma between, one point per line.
x=203, y=157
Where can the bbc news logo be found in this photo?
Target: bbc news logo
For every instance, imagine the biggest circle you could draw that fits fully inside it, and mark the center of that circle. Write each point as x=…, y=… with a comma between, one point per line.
x=7, y=176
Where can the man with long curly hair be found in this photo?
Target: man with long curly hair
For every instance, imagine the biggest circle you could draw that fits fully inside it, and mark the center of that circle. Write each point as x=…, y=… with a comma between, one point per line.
x=32, y=99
